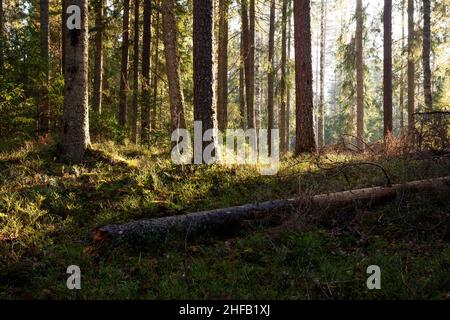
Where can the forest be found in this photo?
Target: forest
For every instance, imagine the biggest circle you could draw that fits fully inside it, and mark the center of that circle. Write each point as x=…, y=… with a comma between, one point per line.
x=224, y=149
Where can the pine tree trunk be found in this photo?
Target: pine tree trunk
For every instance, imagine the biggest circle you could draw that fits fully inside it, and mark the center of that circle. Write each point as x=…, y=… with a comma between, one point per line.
x=426, y=54
x=123, y=103
x=155, y=72
x=98, y=67
x=134, y=123
x=402, y=72
x=305, y=141
x=387, y=79
x=359, y=75
x=203, y=63
x=411, y=66
x=44, y=103
x=248, y=21
x=282, y=120
x=271, y=75
x=242, y=62
x=288, y=98
x=146, y=121
x=321, y=120
x=63, y=36
x=75, y=121
x=222, y=68
x=173, y=65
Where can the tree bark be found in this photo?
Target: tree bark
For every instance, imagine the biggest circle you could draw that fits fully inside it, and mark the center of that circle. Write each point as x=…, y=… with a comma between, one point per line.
x=248, y=21
x=211, y=220
x=411, y=66
x=222, y=68
x=98, y=67
x=123, y=103
x=387, y=79
x=359, y=75
x=321, y=120
x=134, y=123
x=288, y=98
x=271, y=75
x=402, y=72
x=305, y=141
x=282, y=125
x=63, y=36
x=146, y=121
x=173, y=65
x=75, y=137
x=243, y=54
x=155, y=71
x=44, y=102
x=203, y=64
x=426, y=54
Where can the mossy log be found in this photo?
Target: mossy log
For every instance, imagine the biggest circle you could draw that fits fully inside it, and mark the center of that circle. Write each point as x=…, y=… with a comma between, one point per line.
x=220, y=218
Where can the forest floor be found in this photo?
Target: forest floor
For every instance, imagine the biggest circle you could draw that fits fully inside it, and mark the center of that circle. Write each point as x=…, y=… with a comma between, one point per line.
x=48, y=210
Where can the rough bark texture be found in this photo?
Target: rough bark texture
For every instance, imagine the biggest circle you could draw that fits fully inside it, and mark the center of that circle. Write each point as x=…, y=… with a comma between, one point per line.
x=134, y=121
x=173, y=65
x=146, y=121
x=44, y=103
x=426, y=54
x=288, y=94
x=411, y=66
x=282, y=122
x=203, y=63
x=321, y=119
x=155, y=72
x=305, y=141
x=402, y=71
x=123, y=105
x=209, y=220
x=98, y=64
x=248, y=21
x=359, y=75
x=242, y=98
x=63, y=35
x=222, y=68
x=387, y=68
x=75, y=121
x=271, y=75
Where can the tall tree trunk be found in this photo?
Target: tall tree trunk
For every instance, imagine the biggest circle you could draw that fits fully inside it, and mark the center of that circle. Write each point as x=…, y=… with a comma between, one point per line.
x=305, y=141
x=426, y=54
x=134, y=123
x=411, y=66
x=288, y=98
x=146, y=121
x=321, y=120
x=242, y=62
x=98, y=67
x=222, y=68
x=203, y=63
x=283, y=78
x=123, y=103
x=359, y=75
x=75, y=137
x=387, y=79
x=271, y=75
x=63, y=36
x=248, y=20
x=402, y=71
x=173, y=64
x=44, y=103
x=155, y=72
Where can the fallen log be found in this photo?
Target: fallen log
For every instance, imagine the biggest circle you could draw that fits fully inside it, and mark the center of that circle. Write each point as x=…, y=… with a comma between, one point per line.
x=208, y=220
